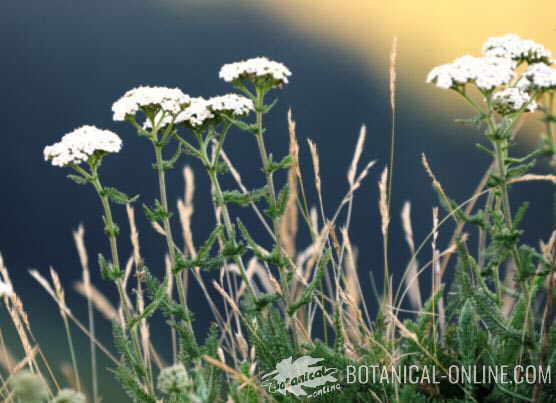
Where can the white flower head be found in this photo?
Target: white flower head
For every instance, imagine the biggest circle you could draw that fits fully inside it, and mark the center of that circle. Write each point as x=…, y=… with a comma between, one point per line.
x=5, y=289
x=69, y=396
x=82, y=143
x=511, y=100
x=233, y=104
x=538, y=76
x=511, y=46
x=196, y=114
x=173, y=379
x=486, y=73
x=171, y=100
x=258, y=67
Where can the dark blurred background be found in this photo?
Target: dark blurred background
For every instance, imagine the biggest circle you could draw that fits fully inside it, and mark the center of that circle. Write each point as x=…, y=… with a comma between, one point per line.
x=65, y=62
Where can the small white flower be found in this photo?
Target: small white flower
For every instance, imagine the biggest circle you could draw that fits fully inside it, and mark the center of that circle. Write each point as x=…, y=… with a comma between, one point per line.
x=511, y=100
x=173, y=379
x=171, y=100
x=513, y=47
x=231, y=103
x=256, y=67
x=486, y=73
x=196, y=114
x=5, y=289
x=538, y=76
x=79, y=145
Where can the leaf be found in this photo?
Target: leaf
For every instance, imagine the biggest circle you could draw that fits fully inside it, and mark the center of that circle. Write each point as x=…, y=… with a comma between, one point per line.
x=108, y=270
x=285, y=163
x=244, y=199
x=78, y=179
x=118, y=197
x=309, y=290
x=157, y=213
x=467, y=333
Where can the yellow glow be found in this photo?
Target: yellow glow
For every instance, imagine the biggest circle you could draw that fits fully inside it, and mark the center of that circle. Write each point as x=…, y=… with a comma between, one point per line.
x=430, y=32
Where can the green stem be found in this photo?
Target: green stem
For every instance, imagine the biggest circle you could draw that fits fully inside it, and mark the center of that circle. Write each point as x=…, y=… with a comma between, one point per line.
x=166, y=221
x=215, y=183
x=112, y=237
x=259, y=106
x=72, y=351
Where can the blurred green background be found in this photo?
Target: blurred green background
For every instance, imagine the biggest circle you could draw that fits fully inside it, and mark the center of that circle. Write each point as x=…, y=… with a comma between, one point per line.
x=64, y=63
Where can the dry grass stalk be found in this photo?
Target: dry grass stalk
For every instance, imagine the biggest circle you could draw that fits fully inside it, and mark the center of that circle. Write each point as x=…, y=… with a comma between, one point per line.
x=357, y=155
x=383, y=202
x=288, y=223
x=79, y=240
x=414, y=290
x=99, y=301
x=44, y=283
x=435, y=182
x=7, y=360
x=17, y=314
x=316, y=167
x=185, y=210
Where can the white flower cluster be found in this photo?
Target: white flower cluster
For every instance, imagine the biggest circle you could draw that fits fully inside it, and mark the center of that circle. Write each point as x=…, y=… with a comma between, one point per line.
x=511, y=46
x=538, y=76
x=69, y=396
x=171, y=100
x=486, y=72
x=231, y=103
x=511, y=100
x=256, y=67
x=79, y=145
x=173, y=379
x=201, y=110
x=197, y=113
x=5, y=289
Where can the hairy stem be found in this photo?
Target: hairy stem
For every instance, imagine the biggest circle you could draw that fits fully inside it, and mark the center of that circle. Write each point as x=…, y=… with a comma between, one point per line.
x=259, y=106
x=166, y=221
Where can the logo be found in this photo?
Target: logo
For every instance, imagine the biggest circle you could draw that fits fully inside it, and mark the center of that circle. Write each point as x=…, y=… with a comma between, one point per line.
x=293, y=376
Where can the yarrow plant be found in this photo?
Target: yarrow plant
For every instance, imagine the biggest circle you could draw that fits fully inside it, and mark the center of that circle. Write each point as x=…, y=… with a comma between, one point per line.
x=280, y=301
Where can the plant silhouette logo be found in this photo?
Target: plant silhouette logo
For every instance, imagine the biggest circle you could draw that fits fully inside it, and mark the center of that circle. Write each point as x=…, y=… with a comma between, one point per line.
x=292, y=376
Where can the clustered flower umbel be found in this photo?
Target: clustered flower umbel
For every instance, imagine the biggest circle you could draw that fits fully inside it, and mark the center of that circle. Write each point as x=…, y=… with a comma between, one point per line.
x=511, y=100
x=538, y=76
x=511, y=46
x=82, y=143
x=486, y=72
x=255, y=67
x=5, y=289
x=233, y=104
x=170, y=100
x=202, y=110
x=173, y=379
x=168, y=105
